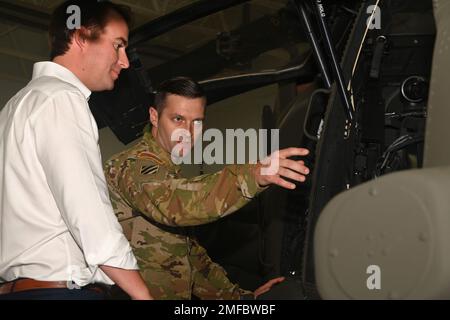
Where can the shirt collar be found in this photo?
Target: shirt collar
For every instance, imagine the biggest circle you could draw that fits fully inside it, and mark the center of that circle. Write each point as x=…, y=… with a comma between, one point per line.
x=51, y=69
x=162, y=154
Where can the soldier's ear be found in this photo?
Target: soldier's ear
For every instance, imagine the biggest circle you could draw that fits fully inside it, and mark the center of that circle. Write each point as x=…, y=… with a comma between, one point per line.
x=153, y=117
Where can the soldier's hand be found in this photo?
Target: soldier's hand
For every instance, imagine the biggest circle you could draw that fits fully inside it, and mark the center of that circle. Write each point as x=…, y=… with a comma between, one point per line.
x=278, y=165
x=267, y=286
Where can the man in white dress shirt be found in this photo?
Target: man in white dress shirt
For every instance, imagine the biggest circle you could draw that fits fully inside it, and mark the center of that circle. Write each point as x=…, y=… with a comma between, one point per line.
x=59, y=238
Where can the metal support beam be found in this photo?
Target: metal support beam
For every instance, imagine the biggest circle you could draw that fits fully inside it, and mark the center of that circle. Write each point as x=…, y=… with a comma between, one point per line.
x=178, y=18
x=139, y=8
x=335, y=66
x=317, y=50
x=9, y=77
x=9, y=31
x=22, y=55
x=23, y=15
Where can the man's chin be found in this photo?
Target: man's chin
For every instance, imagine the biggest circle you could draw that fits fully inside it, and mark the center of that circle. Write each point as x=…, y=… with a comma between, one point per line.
x=111, y=86
x=108, y=87
x=181, y=151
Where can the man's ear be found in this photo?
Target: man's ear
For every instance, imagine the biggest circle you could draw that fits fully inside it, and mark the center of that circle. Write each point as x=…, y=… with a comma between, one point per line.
x=153, y=116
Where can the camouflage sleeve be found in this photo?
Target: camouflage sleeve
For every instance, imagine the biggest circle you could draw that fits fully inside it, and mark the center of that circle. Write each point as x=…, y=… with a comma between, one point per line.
x=151, y=190
x=210, y=279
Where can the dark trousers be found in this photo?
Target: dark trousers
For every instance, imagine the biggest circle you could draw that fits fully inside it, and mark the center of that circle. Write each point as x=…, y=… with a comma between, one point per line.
x=54, y=294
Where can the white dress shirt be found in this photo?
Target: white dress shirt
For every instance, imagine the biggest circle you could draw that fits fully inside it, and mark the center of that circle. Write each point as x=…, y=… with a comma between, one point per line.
x=56, y=219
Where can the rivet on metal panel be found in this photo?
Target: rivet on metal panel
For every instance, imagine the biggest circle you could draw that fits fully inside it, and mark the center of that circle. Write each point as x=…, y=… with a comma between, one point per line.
x=373, y=192
x=423, y=237
x=334, y=253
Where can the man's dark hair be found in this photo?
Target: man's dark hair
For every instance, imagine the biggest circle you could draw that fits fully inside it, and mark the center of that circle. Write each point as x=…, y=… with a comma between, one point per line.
x=181, y=86
x=95, y=15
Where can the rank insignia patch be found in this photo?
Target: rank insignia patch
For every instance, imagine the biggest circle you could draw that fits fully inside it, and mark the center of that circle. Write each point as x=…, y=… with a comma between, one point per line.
x=152, y=169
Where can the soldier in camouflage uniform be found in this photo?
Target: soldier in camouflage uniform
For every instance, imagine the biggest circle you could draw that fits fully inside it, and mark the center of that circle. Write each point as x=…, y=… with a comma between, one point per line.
x=156, y=206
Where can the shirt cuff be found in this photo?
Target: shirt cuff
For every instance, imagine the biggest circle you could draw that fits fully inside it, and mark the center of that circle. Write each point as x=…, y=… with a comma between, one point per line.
x=118, y=256
x=246, y=178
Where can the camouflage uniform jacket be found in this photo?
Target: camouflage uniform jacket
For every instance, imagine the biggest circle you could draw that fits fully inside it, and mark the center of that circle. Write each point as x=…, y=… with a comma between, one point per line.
x=145, y=187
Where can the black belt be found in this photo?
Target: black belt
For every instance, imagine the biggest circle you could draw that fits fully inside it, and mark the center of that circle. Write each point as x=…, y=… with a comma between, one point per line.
x=180, y=231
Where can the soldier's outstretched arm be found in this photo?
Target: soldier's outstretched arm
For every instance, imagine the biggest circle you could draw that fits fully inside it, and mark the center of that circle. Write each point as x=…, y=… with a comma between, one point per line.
x=183, y=202
x=202, y=199
x=278, y=166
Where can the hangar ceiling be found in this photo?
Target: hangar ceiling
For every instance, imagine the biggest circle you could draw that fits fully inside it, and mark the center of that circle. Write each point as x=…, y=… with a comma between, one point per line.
x=23, y=24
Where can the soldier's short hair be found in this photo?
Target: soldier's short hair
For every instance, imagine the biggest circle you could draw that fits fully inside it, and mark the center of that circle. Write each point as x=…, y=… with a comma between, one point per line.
x=95, y=15
x=181, y=86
